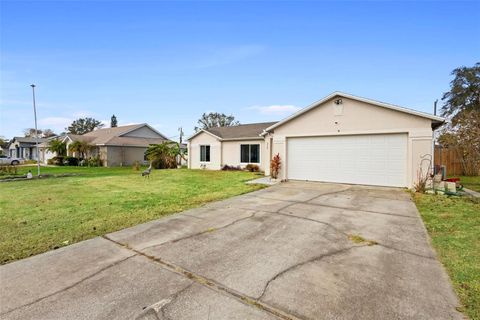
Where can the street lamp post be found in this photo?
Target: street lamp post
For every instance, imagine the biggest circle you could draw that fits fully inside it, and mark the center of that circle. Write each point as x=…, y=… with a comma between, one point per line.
x=36, y=130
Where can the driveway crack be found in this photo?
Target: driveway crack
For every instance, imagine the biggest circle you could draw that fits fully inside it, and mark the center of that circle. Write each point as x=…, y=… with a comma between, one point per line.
x=297, y=265
x=213, y=285
x=198, y=233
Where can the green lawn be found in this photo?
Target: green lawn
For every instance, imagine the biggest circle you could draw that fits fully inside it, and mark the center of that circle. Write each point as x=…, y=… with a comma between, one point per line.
x=40, y=215
x=472, y=183
x=454, y=227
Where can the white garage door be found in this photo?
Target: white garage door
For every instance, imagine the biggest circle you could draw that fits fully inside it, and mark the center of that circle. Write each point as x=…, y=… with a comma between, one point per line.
x=360, y=159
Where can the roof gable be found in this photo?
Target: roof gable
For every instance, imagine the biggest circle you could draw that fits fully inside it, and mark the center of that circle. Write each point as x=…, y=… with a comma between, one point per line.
x=134, y=135
x=434, y=118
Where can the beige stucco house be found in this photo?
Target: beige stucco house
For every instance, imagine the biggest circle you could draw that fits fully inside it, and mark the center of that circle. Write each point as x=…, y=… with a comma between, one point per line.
x=119, y=146
x=341, y=138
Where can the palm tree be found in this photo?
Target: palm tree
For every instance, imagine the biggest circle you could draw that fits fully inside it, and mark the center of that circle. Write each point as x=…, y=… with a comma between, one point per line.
x=58, y=147
x=164, y=155
x=83, y=148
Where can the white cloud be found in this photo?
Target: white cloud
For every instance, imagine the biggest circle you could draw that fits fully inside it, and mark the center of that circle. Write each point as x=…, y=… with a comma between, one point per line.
x=55, y=122
x=276, y=109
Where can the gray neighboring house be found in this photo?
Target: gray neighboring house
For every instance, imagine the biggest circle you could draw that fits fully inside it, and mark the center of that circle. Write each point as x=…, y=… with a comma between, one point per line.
x=118, y=146
x=24, y=147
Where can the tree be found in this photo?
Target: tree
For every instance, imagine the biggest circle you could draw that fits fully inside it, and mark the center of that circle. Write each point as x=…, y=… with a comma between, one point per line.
x=82, y=148
x=113, y=122
x=47, y=133
x=30, y=132
x=58, y=147
x=464, y=138
x=464, y=94
x=215, y=119
x=84, y=125
x=164, y=155
x=462, y=107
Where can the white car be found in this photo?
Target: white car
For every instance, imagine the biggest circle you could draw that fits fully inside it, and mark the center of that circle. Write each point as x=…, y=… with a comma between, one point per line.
x=10, y=160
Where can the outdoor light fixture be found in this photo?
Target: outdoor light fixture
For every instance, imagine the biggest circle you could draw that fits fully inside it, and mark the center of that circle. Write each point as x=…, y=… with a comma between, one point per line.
x=338, y=102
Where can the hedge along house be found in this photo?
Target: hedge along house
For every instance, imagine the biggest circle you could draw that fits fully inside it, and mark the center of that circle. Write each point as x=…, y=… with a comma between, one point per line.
x=341, y=138
x=118, y=146
x=234, y=146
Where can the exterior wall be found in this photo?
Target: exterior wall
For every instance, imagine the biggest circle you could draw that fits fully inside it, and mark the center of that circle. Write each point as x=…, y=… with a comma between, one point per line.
x=27, y=152
x=122, y=156
x=231, y=153
x=357, y=118
x=45, y=155
x=215, y=152
x=143, y=132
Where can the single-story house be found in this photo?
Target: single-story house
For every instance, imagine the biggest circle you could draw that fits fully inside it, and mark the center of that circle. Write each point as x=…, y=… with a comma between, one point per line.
x=235, y=146
x=341, y=138
x=24, y=147
x=118, y=146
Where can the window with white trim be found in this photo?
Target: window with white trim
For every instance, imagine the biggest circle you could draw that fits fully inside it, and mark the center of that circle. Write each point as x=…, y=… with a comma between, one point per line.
x=250, y=153
x=205, y=153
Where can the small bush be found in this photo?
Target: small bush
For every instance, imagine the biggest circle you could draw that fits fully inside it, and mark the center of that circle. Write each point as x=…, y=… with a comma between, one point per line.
x=252, y=168
x=95, y=161
x=275, y=165
x=8, y=170
x=71, y=161
x=136, y=166
x=231, y=168
x=57, y=161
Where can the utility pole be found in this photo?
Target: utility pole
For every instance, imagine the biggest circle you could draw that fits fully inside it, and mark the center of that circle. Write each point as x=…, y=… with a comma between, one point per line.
x=180, y=156
x=36, y=130
x=181, y=135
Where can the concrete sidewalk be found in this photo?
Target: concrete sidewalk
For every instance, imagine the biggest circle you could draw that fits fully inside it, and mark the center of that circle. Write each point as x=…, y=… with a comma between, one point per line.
x=296, y=250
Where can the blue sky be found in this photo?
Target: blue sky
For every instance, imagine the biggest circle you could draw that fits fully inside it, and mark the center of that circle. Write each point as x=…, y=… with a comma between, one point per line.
x=165, y=63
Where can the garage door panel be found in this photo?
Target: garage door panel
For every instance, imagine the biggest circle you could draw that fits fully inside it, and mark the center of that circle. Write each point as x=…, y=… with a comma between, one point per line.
x=359, y=159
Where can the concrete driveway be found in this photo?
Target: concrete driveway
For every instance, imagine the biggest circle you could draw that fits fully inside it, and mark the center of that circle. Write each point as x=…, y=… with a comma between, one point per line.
x=297, y=250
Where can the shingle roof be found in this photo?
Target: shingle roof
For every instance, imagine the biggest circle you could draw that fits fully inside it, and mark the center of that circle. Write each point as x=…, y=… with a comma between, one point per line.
x=29, y=139
x=113, y=136
x=251, y=130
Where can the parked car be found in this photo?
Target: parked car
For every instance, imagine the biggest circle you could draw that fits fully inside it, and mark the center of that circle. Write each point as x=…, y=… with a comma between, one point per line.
x=10, y=160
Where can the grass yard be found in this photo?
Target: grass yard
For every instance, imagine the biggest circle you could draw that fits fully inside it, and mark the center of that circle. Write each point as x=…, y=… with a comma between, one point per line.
x=454, y=227
x=40, y=215
x=472, y=183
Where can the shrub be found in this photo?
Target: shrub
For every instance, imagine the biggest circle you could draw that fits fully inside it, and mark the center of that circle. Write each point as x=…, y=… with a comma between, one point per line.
x=57, y=161
x=8, y=170
x=71, y=161
x=231, y=168
x=94, y=161
x=252, y=168
x=136, y=166
x=275, y=165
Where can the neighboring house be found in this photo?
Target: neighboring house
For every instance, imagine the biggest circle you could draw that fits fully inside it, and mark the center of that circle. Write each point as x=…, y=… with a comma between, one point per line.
x=341, y=138
x=24, y=147
x=118, y=146
x=46, y=154
x=235, y=146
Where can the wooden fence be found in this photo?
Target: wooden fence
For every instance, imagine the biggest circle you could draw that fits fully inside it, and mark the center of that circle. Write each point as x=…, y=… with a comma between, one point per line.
x=449, y=158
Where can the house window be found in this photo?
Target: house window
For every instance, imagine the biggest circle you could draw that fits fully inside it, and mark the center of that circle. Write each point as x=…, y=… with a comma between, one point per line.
x=204, y=153
x=250, y=153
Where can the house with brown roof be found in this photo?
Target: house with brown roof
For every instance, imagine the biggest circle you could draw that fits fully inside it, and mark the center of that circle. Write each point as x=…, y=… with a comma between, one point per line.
x=118, y=146
x=341, y=138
